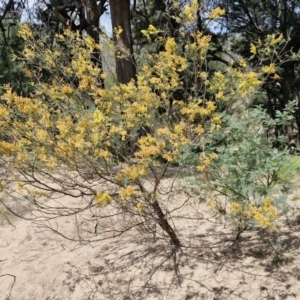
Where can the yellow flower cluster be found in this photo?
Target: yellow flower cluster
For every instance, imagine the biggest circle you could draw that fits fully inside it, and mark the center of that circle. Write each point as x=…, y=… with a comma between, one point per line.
x=25, y=32
x=240, y=82
x=42, y=136
x=242, y=62
x=127, y=192
x=150, y=31
x=139, y=207
x=269, y=69
x=264, y=215
x=89, y=41
x=118, y=31
x=102, y=198
x=64, y=126
x=206, y=161
x=253, y=49
x=212, y=203
x=170, y=141
x=273, y=41
x=7, y=148
x=189, y=13
x=132, y=172
x=150, y=146
x=3, y=112
x=248, y=83
x=98, y=117
x=170, y=45
x=216, y=13
x=200, y=46
x=196, y=109
x=66, y=89
x=103, y=153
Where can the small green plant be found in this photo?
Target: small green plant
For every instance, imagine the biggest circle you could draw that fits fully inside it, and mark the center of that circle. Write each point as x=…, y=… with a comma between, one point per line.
x=243, y=182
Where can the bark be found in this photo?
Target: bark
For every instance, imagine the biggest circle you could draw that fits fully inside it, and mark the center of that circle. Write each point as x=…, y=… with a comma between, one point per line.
x=120, y=17
x=164, y=224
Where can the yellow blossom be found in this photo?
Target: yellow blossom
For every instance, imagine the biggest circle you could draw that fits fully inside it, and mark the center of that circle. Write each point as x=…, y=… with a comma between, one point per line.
x=103, y=76
x=66, y=89
x=170, y=157
x=90, y=42
x=216, y=13
x=6, y=147
x=235, y=207
x=153, y=30
x=242, y=63
x=216, y=119
x=145, y=33
x=253, y=49
x=213, y=156
x=214, y=127
x=212, y=203
x=64, y=126
x=104, y=154
x=189, y=12
x=201, y=168
x=199, y=129
x=42, y=135
x=102, y=198
x=210, y=106
x=178, y=129
x=98, y=117
x=132, y=172
x=170, y=45
x=118, y=31
x=175, y=4
x=139, y=207
x=3, y=111
x=150, y=31
x=25, y=32
x=127, y=192
x=269, y=69
x=273, y=40
x=220, y=95
x=263, y=215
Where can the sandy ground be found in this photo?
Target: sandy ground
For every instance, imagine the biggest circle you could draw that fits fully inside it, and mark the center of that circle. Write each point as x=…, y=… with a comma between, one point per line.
x=37, y=263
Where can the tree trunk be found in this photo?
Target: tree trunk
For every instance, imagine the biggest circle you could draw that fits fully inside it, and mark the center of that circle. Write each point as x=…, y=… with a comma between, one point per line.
x=120, y=17
x=164, y=224
x=92, y=18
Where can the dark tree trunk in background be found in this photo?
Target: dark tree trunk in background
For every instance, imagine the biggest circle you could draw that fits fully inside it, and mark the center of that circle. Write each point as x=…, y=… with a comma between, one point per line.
x=120, y=17
x=93, y=13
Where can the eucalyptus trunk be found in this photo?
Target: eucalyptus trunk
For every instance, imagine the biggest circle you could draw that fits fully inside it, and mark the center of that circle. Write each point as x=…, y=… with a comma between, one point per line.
x=120, y=18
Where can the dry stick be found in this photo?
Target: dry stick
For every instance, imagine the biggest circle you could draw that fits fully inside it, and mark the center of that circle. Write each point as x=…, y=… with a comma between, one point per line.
x=120, y=232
